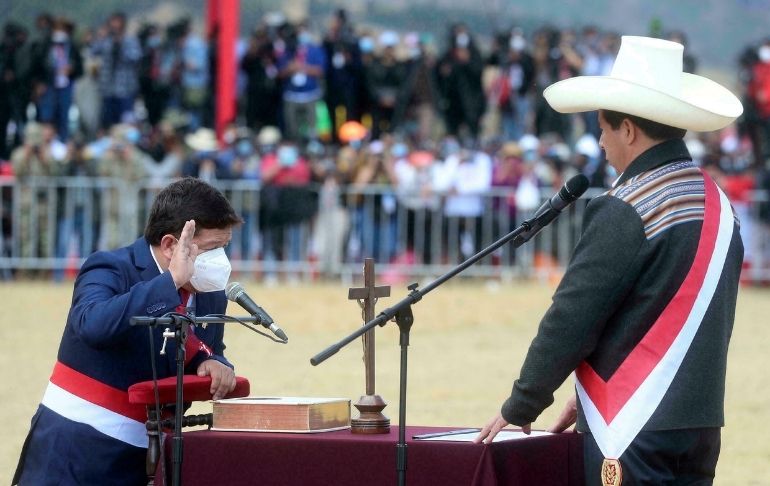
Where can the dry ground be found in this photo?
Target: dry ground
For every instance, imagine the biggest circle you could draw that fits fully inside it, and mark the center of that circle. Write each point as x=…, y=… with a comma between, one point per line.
x=467, y=345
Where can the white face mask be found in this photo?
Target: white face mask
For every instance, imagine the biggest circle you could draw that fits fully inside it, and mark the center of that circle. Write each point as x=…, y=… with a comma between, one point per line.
x=212, y=271
x=764, y=53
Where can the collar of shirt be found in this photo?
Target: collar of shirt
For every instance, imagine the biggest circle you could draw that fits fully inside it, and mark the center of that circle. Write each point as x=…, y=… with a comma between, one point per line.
x=660, y=154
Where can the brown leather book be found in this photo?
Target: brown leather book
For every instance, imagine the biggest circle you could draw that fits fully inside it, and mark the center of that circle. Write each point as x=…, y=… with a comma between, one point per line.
x=282, y=414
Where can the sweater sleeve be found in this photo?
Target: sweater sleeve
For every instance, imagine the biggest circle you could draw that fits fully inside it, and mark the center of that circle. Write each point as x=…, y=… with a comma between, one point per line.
x=603, y=267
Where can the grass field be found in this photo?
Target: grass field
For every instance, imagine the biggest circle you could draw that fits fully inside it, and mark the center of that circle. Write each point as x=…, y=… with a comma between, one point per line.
x=467, y=345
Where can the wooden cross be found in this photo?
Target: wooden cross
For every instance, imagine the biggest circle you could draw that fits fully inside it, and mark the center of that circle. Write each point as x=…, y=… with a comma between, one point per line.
x=367, y=297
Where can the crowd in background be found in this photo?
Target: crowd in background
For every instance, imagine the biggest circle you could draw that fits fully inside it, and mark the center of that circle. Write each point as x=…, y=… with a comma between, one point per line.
x=328, y=104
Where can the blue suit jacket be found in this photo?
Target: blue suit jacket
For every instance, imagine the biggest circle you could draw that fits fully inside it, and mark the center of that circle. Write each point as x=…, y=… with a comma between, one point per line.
x=99, y=342
x=111, y=288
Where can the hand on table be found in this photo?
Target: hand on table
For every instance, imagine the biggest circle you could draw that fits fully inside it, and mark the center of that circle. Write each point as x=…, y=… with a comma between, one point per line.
x=498, y=423
x=222, y=377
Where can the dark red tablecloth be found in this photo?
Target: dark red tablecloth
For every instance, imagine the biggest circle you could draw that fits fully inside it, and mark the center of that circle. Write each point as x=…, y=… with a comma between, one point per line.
x=341, y=458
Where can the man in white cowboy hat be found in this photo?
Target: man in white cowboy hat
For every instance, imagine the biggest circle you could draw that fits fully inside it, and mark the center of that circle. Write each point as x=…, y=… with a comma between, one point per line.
x=644, y=313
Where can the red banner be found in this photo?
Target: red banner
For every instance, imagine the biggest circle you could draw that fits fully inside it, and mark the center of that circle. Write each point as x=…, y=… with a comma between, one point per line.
x=222, y=26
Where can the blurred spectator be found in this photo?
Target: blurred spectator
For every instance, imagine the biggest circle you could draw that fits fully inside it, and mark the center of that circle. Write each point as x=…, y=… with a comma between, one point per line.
x=332, y=221
x=513, y=89
x=15, y=65
x=54, y=73
x=166, y=153
x=556, y=58
x=153, y=88
x=759, y=96
x=123, y=162
x=553, y=165
x=203, y=158
x=39, y=46
x=366, y=47
x=419, y=99
x=88, y=100
x=268, y=139
x=263, y=88
x=589, y=161
x=384, y=78
x=506, y=175
x=414, y=177
x=245, y=165
x=76, y=218
x=301, y=67
x=598, y=52
x=343, y=71
x=120, y=55
x=374, y=214
x=41, y=155
x=194, y=77
x=459, y=81
x=465, y=177
x=286, y=201
x=352, y=135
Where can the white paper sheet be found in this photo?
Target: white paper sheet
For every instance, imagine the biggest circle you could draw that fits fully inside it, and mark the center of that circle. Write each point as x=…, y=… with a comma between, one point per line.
x=501, y=436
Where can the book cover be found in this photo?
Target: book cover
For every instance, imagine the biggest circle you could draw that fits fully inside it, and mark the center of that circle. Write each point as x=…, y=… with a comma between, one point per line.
x=281, y=414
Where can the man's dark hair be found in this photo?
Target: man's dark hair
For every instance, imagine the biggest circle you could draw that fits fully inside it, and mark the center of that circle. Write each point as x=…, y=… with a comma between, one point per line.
x=187, y=199
x=654, y=130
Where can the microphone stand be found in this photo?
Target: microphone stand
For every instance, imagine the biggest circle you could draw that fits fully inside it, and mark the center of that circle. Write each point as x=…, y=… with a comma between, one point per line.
x=181, y=325
x=402, y=312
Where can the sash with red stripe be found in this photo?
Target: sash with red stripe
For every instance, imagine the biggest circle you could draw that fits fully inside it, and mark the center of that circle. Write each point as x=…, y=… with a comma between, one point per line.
x=618, y=408
x=82, y=399
x=96, y=392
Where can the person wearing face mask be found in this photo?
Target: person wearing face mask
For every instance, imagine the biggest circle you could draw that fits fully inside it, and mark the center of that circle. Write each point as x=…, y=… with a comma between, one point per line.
x=459, y=81
x=301, y=69
x=55, y=74
x=155, y=93
x=286, y=201
x=85, y=431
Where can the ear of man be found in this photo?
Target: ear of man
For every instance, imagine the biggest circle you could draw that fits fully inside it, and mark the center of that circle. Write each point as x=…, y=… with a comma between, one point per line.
x=167, y=245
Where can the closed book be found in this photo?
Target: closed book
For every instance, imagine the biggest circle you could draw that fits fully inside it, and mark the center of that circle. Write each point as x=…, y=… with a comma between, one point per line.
x=283, y=414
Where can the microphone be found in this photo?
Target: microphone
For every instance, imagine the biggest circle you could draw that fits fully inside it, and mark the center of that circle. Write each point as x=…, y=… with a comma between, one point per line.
x=572, y=190
x=237, y=294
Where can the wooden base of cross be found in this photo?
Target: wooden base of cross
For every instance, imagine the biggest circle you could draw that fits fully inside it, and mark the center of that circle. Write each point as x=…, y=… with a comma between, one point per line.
x=371, y=419
x=370, y=406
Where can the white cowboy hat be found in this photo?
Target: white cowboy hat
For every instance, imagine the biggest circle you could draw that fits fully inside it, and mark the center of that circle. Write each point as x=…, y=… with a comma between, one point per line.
x=647, y=81
x=202, y=140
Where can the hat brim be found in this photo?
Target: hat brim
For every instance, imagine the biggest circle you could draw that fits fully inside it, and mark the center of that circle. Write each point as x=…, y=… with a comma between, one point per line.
x=200, y=144
x=702, y=106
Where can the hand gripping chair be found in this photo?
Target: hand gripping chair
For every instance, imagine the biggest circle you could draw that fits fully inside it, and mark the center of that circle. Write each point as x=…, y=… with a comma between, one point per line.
x=196, y=388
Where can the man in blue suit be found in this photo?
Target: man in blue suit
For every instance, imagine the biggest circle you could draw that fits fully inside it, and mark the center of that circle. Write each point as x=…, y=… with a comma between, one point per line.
x=85, y=431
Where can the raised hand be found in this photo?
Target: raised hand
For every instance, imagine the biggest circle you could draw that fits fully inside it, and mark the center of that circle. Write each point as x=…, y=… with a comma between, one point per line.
x=182, y=262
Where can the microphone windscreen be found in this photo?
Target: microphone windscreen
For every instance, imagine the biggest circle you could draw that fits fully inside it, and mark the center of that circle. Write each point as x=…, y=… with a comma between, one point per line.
x=233, y=291
x=575, y=187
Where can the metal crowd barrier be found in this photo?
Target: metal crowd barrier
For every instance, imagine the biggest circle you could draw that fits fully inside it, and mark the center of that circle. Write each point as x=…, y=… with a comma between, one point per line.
x=49, y=225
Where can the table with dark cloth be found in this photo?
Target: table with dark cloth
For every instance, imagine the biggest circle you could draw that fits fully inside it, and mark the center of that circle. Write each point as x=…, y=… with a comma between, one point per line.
x=341, y=458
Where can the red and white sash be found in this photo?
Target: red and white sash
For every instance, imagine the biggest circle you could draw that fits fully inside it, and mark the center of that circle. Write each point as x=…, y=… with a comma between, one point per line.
x=617, y=409
x=82, y=399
